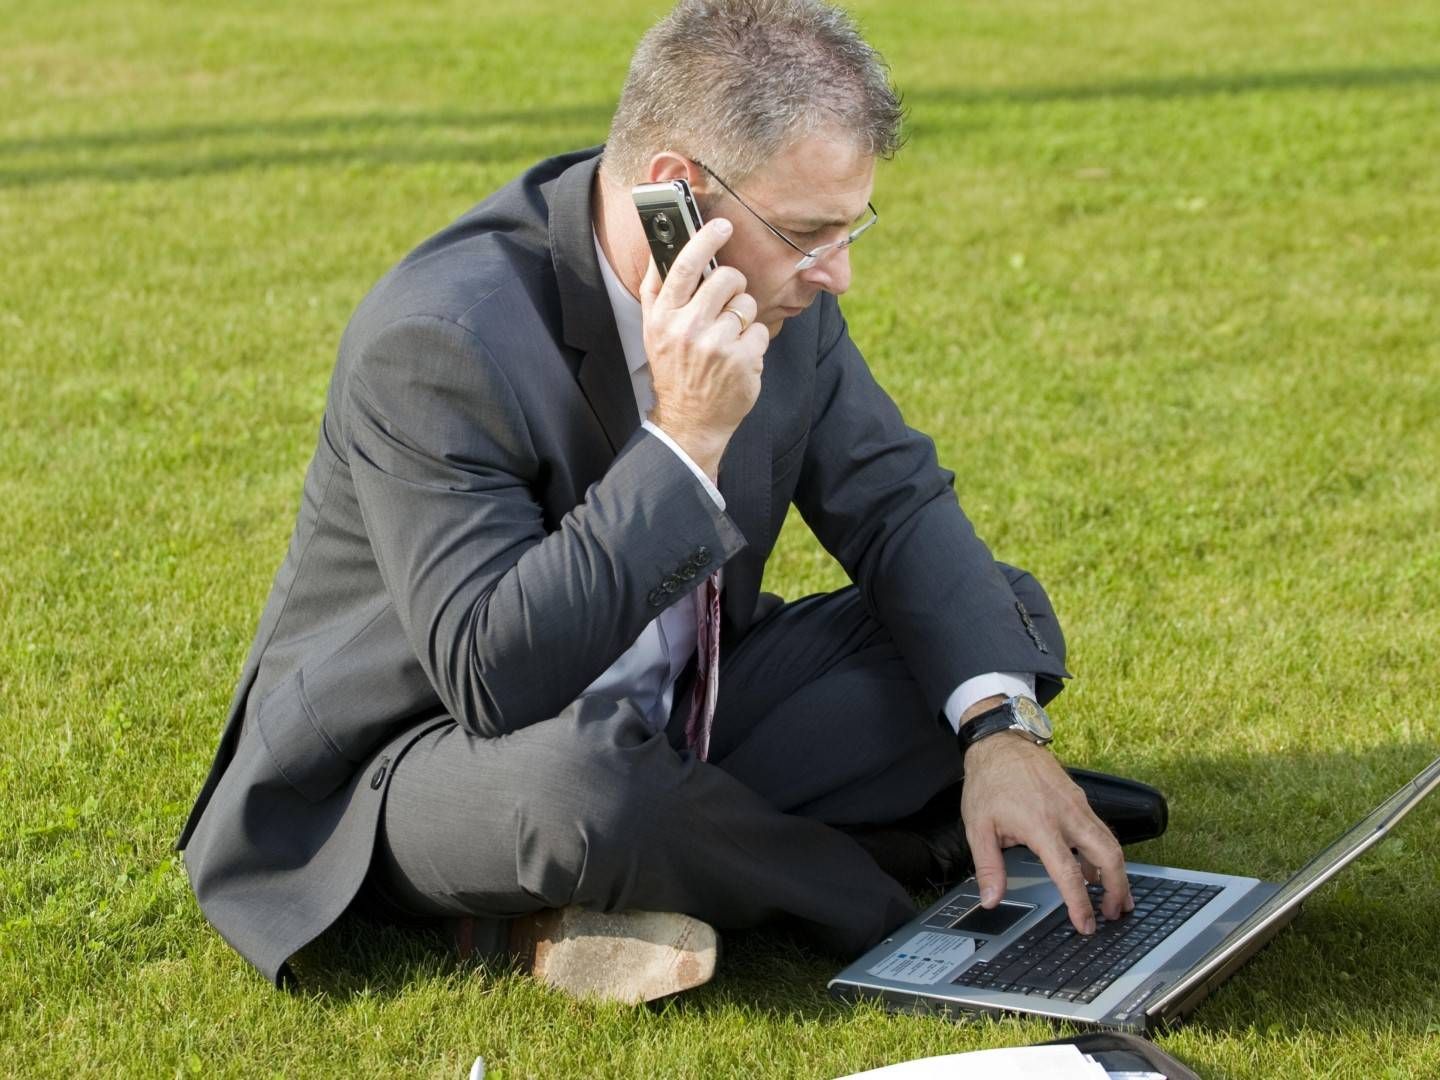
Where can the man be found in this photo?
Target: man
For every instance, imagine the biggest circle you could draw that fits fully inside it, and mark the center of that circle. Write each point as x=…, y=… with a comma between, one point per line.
x=485, y=686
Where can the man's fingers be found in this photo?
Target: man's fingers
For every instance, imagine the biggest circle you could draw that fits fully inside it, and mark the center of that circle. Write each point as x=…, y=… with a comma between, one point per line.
x=757, y=337
x=1097, y=846
x=744, y=309
x=717, y=292
x=686, y=270
x=1064, y=871
x=989, y=864
x=650, y=287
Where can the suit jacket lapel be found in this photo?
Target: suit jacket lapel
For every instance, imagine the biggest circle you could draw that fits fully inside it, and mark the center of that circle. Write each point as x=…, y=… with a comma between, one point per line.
x=605, y=379
x=588, y=324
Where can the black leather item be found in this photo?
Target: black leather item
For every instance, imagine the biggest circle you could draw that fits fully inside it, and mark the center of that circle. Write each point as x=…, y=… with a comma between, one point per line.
x=1134, y=811
x=929, y=850
x=1119, y=1050
x=990, y=722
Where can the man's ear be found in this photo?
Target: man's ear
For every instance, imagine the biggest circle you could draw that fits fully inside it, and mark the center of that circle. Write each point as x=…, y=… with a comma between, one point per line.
x=669, y=165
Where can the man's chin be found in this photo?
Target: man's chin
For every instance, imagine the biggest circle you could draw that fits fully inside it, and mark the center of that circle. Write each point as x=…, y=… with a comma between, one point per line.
x=777, y=319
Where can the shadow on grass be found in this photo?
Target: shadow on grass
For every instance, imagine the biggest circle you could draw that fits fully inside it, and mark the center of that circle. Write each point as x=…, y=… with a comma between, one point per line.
x=766, y=970
x=388, y=138
x=534, y=146
x=302, y=127
x=1363, y=956
x=1189, y=86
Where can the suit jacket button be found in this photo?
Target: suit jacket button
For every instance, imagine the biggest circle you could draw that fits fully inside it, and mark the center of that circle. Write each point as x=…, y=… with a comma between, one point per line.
x=702, y=553
x=655, y=597
x=378, y=776
x=670, y=584
x=688, y=574
x=1029, y=625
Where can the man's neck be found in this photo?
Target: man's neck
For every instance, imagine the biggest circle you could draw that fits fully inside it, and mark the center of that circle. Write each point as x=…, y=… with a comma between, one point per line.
x=618, y=228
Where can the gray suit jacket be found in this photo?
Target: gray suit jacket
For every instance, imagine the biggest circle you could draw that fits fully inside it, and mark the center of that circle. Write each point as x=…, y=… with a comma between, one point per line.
x=485, y=527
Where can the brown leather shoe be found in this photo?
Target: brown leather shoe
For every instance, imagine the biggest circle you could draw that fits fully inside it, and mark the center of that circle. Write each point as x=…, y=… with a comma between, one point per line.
x=627, y=956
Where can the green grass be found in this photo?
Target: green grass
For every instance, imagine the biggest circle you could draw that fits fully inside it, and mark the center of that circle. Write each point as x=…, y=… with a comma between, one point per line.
x=1162, y=280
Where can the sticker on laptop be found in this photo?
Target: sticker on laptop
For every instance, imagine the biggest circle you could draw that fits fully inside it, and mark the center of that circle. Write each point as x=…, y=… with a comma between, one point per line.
x=925, y=959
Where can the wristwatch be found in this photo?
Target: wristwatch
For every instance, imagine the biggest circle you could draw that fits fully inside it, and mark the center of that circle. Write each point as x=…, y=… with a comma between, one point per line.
x=1022, y=715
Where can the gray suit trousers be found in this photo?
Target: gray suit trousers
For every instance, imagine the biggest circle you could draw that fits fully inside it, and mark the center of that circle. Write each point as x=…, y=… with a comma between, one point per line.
x=819, y=724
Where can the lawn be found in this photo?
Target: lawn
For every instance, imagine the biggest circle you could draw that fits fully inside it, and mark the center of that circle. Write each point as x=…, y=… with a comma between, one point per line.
x=1163, y=280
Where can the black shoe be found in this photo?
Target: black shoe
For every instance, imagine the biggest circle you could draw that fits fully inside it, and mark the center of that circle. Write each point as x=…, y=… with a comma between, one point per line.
x=925, y=850
x=928, y=849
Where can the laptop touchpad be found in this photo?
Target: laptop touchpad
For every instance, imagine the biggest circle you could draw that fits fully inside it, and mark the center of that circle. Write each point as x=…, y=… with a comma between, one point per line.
x=993, y=922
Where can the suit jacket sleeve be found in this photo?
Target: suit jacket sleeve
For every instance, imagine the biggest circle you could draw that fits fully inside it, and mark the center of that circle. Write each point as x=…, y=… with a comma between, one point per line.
x=873, y=492
x=510, y=616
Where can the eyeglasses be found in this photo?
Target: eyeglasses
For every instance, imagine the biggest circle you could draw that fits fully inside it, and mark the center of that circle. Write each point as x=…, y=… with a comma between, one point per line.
x=814, y=255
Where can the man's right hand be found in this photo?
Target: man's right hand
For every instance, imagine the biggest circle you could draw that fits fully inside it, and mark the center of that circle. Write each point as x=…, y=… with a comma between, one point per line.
x=1017, y=793
x=705, y=349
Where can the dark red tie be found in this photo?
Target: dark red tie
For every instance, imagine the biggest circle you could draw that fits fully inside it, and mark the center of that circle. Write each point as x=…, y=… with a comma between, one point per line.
x=707, y=669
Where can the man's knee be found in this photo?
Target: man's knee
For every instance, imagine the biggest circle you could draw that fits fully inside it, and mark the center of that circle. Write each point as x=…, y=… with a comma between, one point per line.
x=604, y=786
x=545, y=816
x=1037, y=604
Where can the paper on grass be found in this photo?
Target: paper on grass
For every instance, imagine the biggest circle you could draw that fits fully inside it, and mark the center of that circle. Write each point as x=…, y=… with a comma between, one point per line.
x=1010, y=1063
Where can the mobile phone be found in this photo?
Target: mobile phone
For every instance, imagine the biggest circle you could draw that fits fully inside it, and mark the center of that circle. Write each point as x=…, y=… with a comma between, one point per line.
x=670, y=218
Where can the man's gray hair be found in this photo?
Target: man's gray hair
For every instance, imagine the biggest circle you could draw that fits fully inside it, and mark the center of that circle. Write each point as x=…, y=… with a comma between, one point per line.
x=732, y=82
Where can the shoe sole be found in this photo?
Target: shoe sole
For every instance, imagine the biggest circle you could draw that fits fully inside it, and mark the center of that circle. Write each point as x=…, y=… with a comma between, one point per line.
x=629, y=957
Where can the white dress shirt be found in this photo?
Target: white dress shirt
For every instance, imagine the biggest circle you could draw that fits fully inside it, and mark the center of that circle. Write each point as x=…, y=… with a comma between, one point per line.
x=646, y=672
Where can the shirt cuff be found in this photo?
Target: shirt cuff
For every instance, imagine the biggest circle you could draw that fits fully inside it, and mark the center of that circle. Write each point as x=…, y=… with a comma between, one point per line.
x=710, y=488
x=1008, y=683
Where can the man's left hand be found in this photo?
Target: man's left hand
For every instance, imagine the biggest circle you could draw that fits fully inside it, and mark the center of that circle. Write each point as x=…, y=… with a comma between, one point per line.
x=1016, y=792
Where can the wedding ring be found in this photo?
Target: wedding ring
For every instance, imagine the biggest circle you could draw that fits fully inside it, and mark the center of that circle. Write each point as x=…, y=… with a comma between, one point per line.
x=744, y=322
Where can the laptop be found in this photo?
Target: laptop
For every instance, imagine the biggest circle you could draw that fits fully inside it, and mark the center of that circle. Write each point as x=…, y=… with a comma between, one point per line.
x=1149, y=969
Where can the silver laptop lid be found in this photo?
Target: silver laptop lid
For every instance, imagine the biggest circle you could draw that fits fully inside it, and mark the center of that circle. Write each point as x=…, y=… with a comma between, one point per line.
x=1310, y=877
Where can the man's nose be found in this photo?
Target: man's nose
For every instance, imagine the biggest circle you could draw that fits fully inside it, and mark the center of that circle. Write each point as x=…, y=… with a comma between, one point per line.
x=832, y=272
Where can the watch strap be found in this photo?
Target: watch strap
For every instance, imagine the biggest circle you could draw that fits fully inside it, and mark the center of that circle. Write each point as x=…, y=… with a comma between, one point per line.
x=1019, y=714
x=990, y=722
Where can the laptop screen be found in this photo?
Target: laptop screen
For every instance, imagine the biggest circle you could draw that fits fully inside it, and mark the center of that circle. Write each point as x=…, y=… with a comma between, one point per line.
x=1312, y=875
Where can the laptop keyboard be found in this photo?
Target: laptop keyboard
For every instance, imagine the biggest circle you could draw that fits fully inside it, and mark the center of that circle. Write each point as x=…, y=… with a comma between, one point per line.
x=1054, y=960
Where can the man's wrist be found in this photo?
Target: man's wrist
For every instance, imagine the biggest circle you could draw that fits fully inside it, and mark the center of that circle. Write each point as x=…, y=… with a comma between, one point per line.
x=999, y=751
x=1000, y=741
x=706, y=479
x=704, y=450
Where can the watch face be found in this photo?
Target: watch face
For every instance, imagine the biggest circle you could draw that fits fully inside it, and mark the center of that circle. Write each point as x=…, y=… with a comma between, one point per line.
x=1033, y=717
